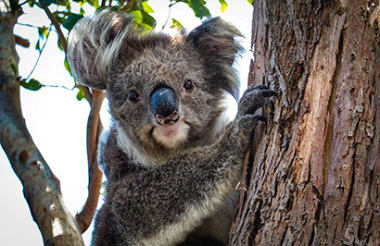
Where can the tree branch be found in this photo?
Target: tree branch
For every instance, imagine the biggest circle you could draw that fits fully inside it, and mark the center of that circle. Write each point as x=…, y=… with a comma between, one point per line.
x=41, y=187
x=94, y=128
x=22, y=41
x=55, y=23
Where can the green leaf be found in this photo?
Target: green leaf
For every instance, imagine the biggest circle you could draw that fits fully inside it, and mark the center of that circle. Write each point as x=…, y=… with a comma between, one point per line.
x=148, y=19
x=250, y=2
x=224, y=5
x=199, y=8
x=43, y=32
x=37, y=47
x=146, y=7
x=137, y=16
x=67, y=66
x=176, y=24
x=60, y=46
x=143, y=19
x=48, y=2
x=14, y=68
x=94, y=3
x=31, y=3
x=71, y=21
x=80, y=94
x=32, y=84
x=65, y=3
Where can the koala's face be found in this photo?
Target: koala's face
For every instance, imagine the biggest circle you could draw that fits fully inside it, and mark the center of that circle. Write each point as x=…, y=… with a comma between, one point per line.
x=161, y=99
x=165, y=92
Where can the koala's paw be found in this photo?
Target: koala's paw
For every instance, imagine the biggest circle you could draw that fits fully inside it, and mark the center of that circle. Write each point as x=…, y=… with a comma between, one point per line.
x=253, y=99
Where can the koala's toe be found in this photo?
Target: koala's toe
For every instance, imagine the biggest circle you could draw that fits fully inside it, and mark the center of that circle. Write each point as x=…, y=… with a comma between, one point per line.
x=259, y=87
x=267, y=93
x=253, y=99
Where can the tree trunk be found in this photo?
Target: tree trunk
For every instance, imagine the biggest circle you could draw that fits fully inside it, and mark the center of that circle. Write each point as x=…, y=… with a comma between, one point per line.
x=315, y=174
x=41, y=186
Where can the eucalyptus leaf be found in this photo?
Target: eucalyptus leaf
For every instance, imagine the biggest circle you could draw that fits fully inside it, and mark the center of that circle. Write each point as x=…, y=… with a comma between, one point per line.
x=146, y=7
x=176, y=24
x=70, y=22
x=224, y=5
x=199, y=8
x=80, y=94
x=32, y=84
x=67, y=66
x=48, y=2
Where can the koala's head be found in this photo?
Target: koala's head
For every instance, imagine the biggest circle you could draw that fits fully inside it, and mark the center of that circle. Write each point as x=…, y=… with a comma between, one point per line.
x=165, y=92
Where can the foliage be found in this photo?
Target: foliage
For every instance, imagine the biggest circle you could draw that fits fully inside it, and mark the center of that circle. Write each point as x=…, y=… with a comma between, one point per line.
x=65, y=17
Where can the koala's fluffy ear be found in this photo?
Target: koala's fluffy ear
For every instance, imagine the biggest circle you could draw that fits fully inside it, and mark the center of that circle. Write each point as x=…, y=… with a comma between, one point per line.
x=215, y=41
x=93, y=45
x=215, y=38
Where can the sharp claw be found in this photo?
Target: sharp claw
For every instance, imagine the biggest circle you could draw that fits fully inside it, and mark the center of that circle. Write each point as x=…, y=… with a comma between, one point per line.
x=268, y=93
x=260, y=87
x=260, y=118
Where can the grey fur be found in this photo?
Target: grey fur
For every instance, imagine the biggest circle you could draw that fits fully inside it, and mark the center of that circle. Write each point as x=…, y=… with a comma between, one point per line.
x=164, y=189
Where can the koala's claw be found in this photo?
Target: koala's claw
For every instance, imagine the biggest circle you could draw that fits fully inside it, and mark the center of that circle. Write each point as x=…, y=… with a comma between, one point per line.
x=267, y=93
x=260, y=118
x=253, y=99
x=256, y=87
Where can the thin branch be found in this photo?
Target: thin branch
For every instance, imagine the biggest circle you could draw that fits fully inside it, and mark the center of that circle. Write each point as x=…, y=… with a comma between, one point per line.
x=22, y=41
x=94, y=128
x=169, y=14
x=87, y=93
x=25, y=2
x=27, y=25
x=55, y=23
x=39, y=55
x=128, y=6
x=59, y=86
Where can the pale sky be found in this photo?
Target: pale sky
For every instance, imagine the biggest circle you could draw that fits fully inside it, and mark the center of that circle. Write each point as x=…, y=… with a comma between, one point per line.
x=57, y=121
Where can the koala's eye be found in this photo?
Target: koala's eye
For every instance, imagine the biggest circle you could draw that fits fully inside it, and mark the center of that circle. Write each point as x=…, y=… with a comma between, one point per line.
x=133, y=96
x=188, y=86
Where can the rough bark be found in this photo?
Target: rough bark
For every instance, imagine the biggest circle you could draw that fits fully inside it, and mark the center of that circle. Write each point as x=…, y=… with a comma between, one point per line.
x=41, y=187
x=315, y=174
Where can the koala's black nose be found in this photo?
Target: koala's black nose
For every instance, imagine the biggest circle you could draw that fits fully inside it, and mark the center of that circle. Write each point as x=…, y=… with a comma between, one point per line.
x=164, y=105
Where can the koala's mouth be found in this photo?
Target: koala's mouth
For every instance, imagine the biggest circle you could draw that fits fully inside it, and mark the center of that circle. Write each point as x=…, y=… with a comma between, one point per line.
x=168, y=120
x=172, y=134
x=169, y=130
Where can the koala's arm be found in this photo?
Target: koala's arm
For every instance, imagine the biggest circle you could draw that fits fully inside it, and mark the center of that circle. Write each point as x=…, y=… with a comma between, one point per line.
x=162, y=206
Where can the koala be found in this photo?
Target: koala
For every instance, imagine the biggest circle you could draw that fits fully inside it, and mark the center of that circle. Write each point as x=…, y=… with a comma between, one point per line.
x=172, y=157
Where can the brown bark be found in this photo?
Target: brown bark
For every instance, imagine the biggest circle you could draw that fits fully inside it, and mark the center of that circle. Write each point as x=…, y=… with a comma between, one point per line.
x=94, y=129
x=315, y=175
x=41, y=187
